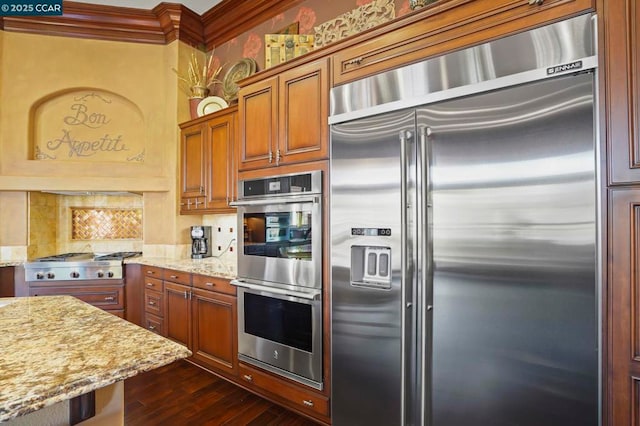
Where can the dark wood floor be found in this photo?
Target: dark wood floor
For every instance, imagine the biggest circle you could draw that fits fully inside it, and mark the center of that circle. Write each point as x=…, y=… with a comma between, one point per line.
x=183, y=394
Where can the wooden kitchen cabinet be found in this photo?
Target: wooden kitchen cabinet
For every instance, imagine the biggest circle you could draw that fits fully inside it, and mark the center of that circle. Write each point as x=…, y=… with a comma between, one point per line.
x=109, y=297
x=443, y=27
x=285, y=392
x=214, y=327
x=207, y=168
x=620, y=77
x=623, y=304
x=283, y=118
x=134, y=293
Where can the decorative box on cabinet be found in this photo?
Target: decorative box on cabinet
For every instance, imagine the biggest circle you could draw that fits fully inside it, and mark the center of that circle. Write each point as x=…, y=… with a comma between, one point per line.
x=207, y=170
x=283, y=118
x=442, y=27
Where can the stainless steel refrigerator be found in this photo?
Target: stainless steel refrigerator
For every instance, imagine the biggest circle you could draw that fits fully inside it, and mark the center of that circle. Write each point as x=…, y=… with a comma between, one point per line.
x=464, y=238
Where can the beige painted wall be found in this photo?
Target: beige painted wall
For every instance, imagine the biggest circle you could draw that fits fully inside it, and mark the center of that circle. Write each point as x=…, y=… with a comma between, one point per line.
x=34, y=67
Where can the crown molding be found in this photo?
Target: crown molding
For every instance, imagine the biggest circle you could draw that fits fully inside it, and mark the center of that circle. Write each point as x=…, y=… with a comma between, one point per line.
x=161, y=25
x=230, y=18
x=165, y=23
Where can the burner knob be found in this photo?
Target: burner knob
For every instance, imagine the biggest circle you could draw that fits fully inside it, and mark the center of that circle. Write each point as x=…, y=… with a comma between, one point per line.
x=110, y=274
x=39, y=276
x=75, y=274
x=51, y=275
x=100, y=274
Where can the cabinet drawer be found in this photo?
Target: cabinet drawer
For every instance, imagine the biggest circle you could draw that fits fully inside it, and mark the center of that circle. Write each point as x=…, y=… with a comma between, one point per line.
x=301, y=399
x=153, y=302
x=152, y=271
x=214, y=284
x=177, y=277
x=154, y=323
x=153, y=284
x=105, y=297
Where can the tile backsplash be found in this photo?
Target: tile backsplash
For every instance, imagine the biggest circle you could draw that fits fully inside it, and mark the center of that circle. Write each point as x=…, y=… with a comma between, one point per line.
x=223, y=234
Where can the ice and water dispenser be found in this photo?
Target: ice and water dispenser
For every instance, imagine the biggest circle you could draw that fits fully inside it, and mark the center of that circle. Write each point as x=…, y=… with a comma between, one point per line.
x=371, y=266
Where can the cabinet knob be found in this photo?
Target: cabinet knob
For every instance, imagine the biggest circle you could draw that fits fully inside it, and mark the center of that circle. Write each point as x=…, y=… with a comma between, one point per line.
x=308, y=402
x=248, y=377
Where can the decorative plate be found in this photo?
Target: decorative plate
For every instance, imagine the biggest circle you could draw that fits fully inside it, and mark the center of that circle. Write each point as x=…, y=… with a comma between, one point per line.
x=241, y=69
x=211, y=104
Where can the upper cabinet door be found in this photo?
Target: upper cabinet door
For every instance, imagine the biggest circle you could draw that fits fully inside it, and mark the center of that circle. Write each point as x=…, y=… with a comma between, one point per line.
x=621, y=57
x=303, y=113
x=221, y=174
x=192, y=156
x=258, y=104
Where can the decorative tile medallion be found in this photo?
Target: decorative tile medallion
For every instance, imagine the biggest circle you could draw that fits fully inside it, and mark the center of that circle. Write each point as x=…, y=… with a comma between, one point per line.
x=106, y=224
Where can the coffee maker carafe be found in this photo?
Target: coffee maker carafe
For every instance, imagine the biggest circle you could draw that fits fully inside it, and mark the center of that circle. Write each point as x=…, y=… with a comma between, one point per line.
x=200, y=242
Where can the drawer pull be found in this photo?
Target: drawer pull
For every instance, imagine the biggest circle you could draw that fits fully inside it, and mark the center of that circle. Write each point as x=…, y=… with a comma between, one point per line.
x=308, y=402
x=109, y=298
x=248, y=377
x=536, y=2
x=152, y=327
x=173, y=276
x=149, y=284
x=152, y=303
x=210, y=284
x=354, y=61
x=150, y=272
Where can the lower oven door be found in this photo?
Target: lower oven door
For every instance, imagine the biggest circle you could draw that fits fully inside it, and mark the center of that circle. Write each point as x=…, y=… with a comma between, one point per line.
x=281, y=331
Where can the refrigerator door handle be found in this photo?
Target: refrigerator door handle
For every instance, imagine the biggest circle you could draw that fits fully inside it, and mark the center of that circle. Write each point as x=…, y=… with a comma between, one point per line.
x=426, y=290
x=405, y=273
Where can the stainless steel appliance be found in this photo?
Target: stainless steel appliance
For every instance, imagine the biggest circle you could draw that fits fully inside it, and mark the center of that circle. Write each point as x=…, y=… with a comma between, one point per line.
x=200, y=242
x=77, y=267
x=464, y=239
x=280, y=275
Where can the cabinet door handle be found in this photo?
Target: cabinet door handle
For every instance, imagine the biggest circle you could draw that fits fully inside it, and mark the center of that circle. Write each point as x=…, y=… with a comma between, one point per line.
x=109, y=298
x=270, y=156
x=278, y=156
x=248, y=377
x=308, y=402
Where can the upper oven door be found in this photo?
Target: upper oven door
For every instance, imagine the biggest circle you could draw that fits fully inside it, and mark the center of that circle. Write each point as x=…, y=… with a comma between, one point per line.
x=281, y=240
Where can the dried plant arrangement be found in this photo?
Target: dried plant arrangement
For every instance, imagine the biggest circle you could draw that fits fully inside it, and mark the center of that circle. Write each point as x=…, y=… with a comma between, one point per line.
x=200, y=77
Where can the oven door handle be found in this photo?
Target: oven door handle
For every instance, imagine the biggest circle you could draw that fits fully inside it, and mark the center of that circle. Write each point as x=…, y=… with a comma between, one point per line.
x=271, y=201
x=311, y=295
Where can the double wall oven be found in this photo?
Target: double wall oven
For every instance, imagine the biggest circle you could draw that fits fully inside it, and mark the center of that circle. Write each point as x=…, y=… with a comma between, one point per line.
x=280, y=275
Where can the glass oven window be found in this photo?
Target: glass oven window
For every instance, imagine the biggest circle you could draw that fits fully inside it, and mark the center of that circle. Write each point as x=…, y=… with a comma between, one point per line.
x=278, y=234
x=281, y=321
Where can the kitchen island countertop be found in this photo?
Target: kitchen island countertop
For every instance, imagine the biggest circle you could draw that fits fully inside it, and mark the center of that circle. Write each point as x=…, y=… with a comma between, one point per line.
x=210, y=266
x=55, y=348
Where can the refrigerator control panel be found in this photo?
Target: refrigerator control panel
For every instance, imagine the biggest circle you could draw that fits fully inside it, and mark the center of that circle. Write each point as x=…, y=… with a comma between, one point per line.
x=371, y=267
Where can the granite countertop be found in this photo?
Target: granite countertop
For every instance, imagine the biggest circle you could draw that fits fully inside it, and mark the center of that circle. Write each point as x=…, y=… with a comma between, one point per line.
x=4, y=263
x=210, y=266
x=54, y=348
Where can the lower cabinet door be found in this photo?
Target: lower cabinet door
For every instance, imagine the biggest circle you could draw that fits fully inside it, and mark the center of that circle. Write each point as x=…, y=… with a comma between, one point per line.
x=177, y=305
x=214, y=325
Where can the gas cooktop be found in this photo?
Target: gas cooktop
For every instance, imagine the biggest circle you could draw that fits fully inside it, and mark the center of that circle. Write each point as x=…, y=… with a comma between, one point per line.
x=76, y=257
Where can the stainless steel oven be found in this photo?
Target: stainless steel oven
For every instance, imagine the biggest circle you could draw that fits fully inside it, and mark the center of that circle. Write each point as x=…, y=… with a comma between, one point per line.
x=281, y=222
x=281, y=331
x=280, y=275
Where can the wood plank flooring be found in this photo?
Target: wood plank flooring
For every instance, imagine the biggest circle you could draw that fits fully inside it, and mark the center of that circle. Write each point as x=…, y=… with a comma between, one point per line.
x=183, y=394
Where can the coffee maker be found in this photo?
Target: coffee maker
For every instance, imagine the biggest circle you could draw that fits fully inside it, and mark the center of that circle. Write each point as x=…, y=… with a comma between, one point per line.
x=200, y=242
